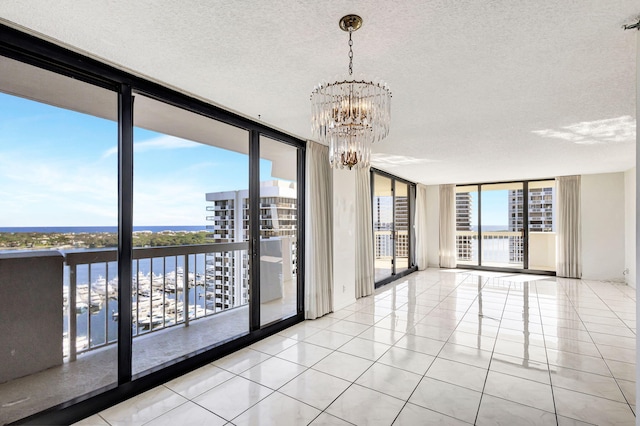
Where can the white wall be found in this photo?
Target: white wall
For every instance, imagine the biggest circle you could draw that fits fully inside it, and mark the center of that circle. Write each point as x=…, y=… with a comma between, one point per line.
x=603, y=226
x=433, y=225
x=344, y=249
x=630, y=226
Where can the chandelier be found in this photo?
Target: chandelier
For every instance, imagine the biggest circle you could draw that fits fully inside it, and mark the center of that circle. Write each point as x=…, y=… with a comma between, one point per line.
x=351, y=114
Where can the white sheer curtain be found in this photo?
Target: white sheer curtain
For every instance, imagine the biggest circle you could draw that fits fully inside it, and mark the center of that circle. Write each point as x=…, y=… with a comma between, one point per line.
x=364, y=234
x=447, y=226
x=568, y=243
x=318, y=297
x=421, y=226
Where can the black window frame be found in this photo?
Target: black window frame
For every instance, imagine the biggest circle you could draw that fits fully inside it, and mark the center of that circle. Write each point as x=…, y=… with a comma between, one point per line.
x=26, y=48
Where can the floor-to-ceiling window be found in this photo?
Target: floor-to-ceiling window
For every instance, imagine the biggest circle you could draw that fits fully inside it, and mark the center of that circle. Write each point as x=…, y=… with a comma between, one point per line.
x=392, y=212
x=506, y=226
x=58, y=236
x=142, y=232
x=190, y=277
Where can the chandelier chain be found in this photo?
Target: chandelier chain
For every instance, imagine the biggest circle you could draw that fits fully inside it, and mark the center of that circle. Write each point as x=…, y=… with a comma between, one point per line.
x=350, y=51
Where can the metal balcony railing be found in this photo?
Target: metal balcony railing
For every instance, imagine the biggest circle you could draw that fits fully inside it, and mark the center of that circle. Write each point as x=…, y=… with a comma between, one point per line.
x=167, y=282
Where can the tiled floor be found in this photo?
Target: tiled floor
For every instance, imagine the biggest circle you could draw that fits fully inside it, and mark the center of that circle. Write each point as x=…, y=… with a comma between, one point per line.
x=440, y=347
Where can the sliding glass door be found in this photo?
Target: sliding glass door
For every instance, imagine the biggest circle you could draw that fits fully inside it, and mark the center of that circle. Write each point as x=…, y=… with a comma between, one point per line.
x=502, y=233
x=392, y=208
x=506, y=226
x=143, y=233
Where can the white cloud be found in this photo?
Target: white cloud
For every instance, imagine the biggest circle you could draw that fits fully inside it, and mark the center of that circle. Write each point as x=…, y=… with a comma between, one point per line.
x=160, y=143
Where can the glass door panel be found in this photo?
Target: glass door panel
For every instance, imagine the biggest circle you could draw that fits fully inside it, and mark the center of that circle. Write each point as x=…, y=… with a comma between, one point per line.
x=401, y=224
x=278, y=230
x=190, y=258
x=383, y=226
x=542, y=226
x=467, y=225
x=502, y=229
x=58, y=239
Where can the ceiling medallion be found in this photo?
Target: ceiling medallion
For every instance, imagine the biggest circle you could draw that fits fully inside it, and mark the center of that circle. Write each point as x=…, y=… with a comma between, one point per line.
x=350, y=114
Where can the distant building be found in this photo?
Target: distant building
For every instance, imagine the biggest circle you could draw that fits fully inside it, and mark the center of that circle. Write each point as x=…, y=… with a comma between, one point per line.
x=541, y=203
x=227, y=278
x=463, y=223
x=383, y=224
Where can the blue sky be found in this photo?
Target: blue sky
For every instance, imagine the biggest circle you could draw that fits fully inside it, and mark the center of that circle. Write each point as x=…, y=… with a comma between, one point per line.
x=59, y=168
x=495, y=208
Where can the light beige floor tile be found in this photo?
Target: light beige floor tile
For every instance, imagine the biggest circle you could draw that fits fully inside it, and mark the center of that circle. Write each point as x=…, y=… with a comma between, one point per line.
x=364, y=348
x=328, y=339
x=94, y=420
x=586, y=363
x=381, y=335
x=143, y=408
x=273, y=344
x=437, y=332
x=617, y=353
x=628, y=390
x=315, y=388
x=380, y=409
x=242, y=360
x=415, y=362
x=454, y=401
x=201, y=380
x=363, y=318
x=567, y=333
x=421, y=344
x=464, y=375
x=592, y=409
x=412, y=415
x=304, y=353
x=592, y=384
x=622, y=370
x=390, y=380
x=323, y=322
x=496, y=411
x=520, y=367
x=341, y=314
x=348, y=327
x=472, y=340
x=273, y=372
x=232, y=397
x=300, y=331
x=522, y=391
x=609, y=329
x=342, y=365
x=611, y=340
x=326, y=419
x=277, y=409
x=521, y=350
x=566, y=421
x=466, y=355
x=188, y=414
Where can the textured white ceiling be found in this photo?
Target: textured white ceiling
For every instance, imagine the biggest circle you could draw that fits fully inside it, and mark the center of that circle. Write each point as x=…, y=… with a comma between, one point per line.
x=482, y=90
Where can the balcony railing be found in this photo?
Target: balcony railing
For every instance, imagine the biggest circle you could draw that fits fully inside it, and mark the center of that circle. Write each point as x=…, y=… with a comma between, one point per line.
x=497, y=246
x=167, y=282
x=507, y=247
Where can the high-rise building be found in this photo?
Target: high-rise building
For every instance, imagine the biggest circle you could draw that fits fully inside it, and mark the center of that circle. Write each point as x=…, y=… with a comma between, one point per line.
x=463, y=223
x=227, y=278
x=385, y=218
x=541, y=203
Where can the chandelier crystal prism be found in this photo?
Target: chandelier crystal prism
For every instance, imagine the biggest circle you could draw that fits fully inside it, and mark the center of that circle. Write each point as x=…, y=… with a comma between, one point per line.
x=350, y=114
